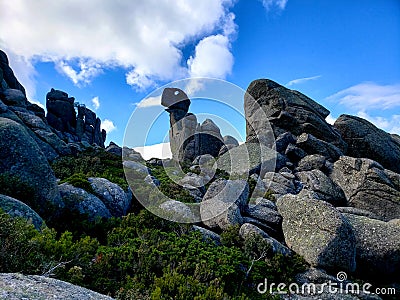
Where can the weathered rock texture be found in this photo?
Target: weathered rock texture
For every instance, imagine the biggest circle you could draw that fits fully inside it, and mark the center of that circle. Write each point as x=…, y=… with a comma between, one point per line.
x=16, y=208
x=268, y=104
x=22, y=159
x=367, y=186
x=365, y=140
x=14, y=286
x=318, y=232
x=378, y=247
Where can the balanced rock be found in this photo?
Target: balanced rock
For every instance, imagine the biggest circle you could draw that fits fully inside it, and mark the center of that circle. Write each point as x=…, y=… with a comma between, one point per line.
x=365, y=140
x=315, y=230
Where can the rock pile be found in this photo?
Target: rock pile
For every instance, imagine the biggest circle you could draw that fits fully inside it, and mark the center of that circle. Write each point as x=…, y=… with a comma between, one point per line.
x=30, y=141
x=62, y=131
x=336, y=188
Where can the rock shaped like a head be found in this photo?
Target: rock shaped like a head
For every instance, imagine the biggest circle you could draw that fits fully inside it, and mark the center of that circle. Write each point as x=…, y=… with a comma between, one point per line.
x=175, y=99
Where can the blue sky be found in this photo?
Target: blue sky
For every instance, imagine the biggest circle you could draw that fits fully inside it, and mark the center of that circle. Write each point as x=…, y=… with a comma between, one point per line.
x=110, y=55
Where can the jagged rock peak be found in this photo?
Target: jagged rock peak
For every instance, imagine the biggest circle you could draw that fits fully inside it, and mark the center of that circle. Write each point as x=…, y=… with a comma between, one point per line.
x=7, y=77
x=61, y=115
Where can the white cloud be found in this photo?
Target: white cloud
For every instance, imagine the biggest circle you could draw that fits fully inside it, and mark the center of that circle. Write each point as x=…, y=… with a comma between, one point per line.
x=161, y=150
x=390, y=124
x=87, y=69
x=368, y=95
x=330, y=119
x=150, y=101
x=108, y=125
x=302, y=80
x=96, y=103
x=212, y=58
x=145, y=37
x=269, y=4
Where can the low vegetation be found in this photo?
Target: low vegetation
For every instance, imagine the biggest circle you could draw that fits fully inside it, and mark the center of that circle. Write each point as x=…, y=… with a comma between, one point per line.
x=143, y=257
x=140, y=256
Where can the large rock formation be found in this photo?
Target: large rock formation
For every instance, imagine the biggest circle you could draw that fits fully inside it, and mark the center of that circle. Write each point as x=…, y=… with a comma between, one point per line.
x=62, y=132
x=61, y=115
x=365, y=140
x=7, y=77
x=268, y=104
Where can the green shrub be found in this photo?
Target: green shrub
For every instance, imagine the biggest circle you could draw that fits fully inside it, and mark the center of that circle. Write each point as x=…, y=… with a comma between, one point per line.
x=13, y=186
x=144, y=257
x=269, y=194
x=92, y=163
x=79, y=180
x=230, y=237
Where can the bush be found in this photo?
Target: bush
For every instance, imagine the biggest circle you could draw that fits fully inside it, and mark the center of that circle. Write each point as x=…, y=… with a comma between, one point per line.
x=92, y=163
x=79, y=180
x=14, y=187
x=143, y=257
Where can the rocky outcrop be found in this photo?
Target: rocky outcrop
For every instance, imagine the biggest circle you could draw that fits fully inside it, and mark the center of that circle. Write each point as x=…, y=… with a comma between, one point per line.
x=251, y=158
x=268, y=104
x=21, y=158
x=365, y=140
x=318, y=232
x=14, y=286
x=61, y=115
x=62, y=132
x=7, y=77
x=323, y=187
x=367, y=186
